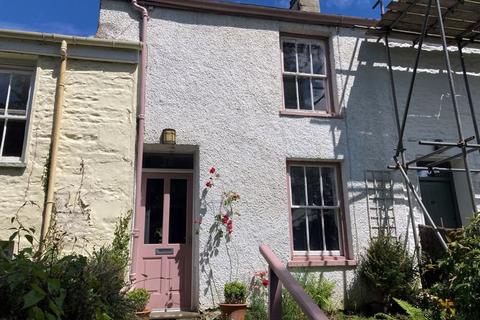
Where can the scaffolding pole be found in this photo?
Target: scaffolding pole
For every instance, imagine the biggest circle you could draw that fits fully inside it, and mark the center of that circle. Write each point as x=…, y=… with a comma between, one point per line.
x=469, y=93
x=433, y=169
x=402, y=153
x=422, y=206
x=412, y=82
x=455, y=105
x=401, y=23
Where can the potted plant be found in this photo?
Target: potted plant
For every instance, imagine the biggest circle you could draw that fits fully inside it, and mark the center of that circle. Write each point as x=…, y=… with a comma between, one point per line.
x=234, y=307
x=139, y=298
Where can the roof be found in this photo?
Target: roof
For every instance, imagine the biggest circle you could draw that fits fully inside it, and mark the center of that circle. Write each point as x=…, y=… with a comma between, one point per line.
x=48, y=44
x=261, y=12
x=404, y=19
x=53, y=37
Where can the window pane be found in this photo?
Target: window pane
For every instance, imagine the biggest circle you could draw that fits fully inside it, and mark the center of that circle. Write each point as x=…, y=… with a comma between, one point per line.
x=289, y=57
x=4, y=80
x=299, y=230
x=319, y=95
x=318, y=57
x=20, y=86
x=329, y=187
x=168, y=161
x=331, y=229
x=15, y=133
x=297, y=177
x=304, y=64
x=290, y=92
x=313, y=186
x=2, y=124
x=304, y=93
x=315, y=230
x=177, y=230
x=154, y=211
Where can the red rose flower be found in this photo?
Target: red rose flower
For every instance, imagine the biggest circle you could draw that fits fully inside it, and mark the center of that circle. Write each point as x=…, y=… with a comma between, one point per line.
x=225, y=219
x=209, y=184
x=230, y=226
x=212, y=170
x=265, y=282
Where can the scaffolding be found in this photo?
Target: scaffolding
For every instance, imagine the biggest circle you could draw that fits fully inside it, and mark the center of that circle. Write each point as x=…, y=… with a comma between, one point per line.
x=448, y=22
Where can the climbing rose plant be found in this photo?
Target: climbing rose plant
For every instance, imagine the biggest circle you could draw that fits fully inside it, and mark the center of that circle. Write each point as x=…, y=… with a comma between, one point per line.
x=260, y=279
x=227, y=210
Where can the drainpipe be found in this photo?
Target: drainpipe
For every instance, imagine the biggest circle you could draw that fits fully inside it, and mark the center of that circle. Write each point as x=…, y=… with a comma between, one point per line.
x=57, y=119
x=140, y=124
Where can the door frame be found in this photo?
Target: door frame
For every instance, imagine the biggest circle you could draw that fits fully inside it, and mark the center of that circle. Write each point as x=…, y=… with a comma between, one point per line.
x=138, y=224
x=449, y=179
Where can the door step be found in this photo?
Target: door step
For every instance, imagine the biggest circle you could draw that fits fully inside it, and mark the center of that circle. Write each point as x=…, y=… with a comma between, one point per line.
x=174, y=315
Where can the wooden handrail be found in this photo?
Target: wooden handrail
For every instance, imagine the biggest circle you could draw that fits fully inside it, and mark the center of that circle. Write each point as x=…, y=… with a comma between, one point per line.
x=280, y=275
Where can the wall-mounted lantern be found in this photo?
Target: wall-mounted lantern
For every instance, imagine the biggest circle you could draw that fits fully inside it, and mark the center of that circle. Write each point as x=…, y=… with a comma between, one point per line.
x=169, y=136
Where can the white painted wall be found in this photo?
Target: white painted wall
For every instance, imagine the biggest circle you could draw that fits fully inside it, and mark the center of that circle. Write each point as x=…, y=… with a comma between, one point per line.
x=217, y=80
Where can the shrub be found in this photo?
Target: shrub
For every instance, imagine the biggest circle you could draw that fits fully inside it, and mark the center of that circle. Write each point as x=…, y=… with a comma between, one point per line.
x=318, y=288
x=138, y=298
x=413, y=313
x=389, y=269
x=235, y=292
x=27, y=289
x=458, y=292
x=52, y=286
x=257, y=309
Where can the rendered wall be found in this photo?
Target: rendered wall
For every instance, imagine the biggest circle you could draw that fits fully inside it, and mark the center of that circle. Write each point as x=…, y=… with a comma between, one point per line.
x=217, y=81
x=96, y=152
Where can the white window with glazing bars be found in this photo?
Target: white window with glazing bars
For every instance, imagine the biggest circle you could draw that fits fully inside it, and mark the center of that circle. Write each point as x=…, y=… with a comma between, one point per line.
x=305, y=75
x=15, y=96
x=315, y=210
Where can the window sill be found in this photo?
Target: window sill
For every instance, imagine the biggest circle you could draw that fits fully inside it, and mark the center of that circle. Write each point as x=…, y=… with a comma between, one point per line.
x=301, y=262
x=13, y=164
x=310, y=114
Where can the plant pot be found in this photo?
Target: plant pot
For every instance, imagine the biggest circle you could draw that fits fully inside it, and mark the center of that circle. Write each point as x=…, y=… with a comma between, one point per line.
x=145, y=314
x=233, y=311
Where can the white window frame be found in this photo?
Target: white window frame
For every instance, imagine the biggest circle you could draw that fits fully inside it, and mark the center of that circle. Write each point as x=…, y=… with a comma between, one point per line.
x=337, y=208
x=326, y=77
x=4, y=116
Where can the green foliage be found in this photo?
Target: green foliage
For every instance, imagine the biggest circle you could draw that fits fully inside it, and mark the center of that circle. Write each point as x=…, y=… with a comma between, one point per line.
x=121, y=240
x=340, y=316
x=138, y=298
x=318, y=288
x=56, y=286
x=27, y=288
x=413, y=312
x=235, y=292
x=388, y=268
x=258, y=308
x=457, y=293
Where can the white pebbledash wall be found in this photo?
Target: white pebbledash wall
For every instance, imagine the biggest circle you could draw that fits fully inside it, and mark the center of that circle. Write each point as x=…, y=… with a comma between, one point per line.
x=217, y=80
x=96, y=152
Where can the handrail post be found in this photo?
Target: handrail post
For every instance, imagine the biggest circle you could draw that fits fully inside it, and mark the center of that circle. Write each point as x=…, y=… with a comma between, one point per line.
x=281, y=277
x=275, y=296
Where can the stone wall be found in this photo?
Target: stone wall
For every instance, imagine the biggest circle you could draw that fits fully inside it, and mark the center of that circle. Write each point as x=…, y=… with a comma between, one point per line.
x=96, y=152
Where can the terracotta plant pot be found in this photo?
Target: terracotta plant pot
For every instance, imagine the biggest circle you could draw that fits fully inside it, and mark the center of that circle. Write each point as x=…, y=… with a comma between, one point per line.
x=145, y=314
x=233, y=311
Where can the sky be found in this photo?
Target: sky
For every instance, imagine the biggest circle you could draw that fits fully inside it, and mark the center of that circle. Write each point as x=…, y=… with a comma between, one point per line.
x=80, y=17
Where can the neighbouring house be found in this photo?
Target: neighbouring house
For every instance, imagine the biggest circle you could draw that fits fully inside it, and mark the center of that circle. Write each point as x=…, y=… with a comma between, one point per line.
x=294, y=110
x=95, y=144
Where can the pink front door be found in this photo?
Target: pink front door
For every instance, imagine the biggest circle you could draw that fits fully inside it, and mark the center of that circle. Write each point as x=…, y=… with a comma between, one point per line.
x=163, y=243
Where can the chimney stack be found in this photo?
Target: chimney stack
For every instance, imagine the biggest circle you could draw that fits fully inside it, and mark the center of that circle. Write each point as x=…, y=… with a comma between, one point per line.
x=305, y=5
